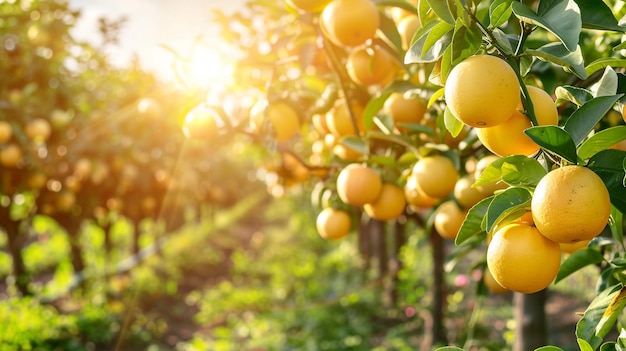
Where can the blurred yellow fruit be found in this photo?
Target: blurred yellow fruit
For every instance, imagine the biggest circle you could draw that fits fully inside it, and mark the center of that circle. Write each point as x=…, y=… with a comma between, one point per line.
x=436, y=175
x=389, y=204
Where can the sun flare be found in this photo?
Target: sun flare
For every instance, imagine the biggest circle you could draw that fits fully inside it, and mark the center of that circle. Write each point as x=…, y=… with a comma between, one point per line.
x=206, y=69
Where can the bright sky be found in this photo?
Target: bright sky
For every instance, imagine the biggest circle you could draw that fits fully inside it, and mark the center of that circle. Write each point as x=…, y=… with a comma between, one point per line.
x=151, y=23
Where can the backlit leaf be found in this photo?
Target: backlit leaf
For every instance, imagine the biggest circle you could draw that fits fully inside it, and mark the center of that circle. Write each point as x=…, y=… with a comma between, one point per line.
x=560, y=17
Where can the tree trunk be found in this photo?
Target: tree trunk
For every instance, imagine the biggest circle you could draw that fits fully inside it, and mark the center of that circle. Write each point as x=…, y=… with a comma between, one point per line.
x=438, y=333
x=396, y=265
x=530, y=321
x=15, y=244
x=72, y=227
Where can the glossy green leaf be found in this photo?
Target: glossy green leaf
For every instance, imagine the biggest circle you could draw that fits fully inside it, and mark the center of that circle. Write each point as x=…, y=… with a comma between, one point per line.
x=515, y=170
x=584, y=345
x=453, y=125
x=436, y=96
x=502, y=41
x=556, y=53
x=499, y=12
x=601, y=140
x=616, y=224
x=373, y=107
x=597, y=15
x=576, y=261
x=555, y=140
x=472, y=225
x=604, y=62
x=607, y=85
x=444, y=9
x=504, y=203
x=610, y=165
x=584, y=119
x=609, y=346
x=575, y=95
x=560, y=17
x=466, y=41
x=416, y=52
x=592, y=327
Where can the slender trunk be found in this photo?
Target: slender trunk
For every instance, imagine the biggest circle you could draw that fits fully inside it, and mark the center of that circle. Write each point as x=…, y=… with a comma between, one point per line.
x=365, y=243
x=437, y=333
x=136, y=235
x=396, y=264
x=530, y=320
x=72, y=227
x=15, y=243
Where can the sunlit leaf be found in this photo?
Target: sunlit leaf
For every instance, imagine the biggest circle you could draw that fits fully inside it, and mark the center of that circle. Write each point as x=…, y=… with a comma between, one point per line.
x=556, y=53
x=607, y=85
x=445, y=9
x=499, y=12
x=601, y=140
x=576, y=261
x=560, y=17
x=575, y=95
x=505, y=202
x=593, y=323
x=356, y=144
x=389, y=31
x=472, y=225
x=416, y=52
x=554, y=139
x=610, y=166
x=502, y=41
x=465, y=41
x=604, y=62
x=453, y=125
x=616, y=224
x=373, y=107
x=584, y=119
x=436, y=96
x=549, y=348
x=435, y=36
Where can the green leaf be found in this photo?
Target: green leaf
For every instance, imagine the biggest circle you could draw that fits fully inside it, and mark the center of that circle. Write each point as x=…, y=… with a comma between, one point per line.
x=435, y=35
x=449, y=348
x=560, y=17
x=416, y=52
x=403, y=4
x=616, y=224
x=608, y=83
x=453, y=125
x=604, y=62
x=356, y=144
x=472, y=225
x=384, y=123
x=549, y=348
x=373, y=107
x=465, y=41
x=503, y=41
x=499, y=12
x=436, y=96
x=610, y=166
x=597, y=15
x=585, y=118
x=608, y=346
x=445, y=9
x=576, y=261
x=390, y=33
x=575, y=95
x=584, y=345
x=556, y=53
x=554, y=139
x=592, y=327
x=504, y=203
x=514, y=170
x=601, y=140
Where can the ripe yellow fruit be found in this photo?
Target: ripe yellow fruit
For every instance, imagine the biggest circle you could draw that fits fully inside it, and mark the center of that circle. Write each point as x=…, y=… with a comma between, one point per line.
x=449, y=219
x=308, y=5
x=489, y=188
x=623, y=110
x=350, y=22
x=338, y=119
x=284, y=119
x=200, y=123
x=573, y=247
x=492, y=285
x=6, y=132
x=436, y=175
x=390, y=204
x=571, y=204
x=482, y=91
x=523, y=260
x=358, y=184
x=38, y=130
x=407, y=27
x=370, y=65
x=333, y=224
x=415, y=196
x=10, y=155
x=404, y=109
x=465, y=194
x=508, y=137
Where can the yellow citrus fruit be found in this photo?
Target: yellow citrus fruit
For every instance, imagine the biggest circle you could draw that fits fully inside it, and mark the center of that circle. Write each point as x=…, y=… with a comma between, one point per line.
x=482, y=91
x=492, y=285
x=200, y=123
x=339, y=121
x=436, y=175
x=415, y=196
x=358, y=184
x=404, y=109
x=6, y=132
x=407, y=27
x=350, y=22
x=370, y=65
x=284, y=119
x=465, y=194
x=388, y=205
x=10, y=155
x=508, y=137
x=333, y=224
x=38, y=130
x=571, y=204
x=489, y=188
x=449, y=219
x=526, y=218
x=623, y=110
x=308, y=5
x=573, y=247
x=398, y=14
x=523, y=260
